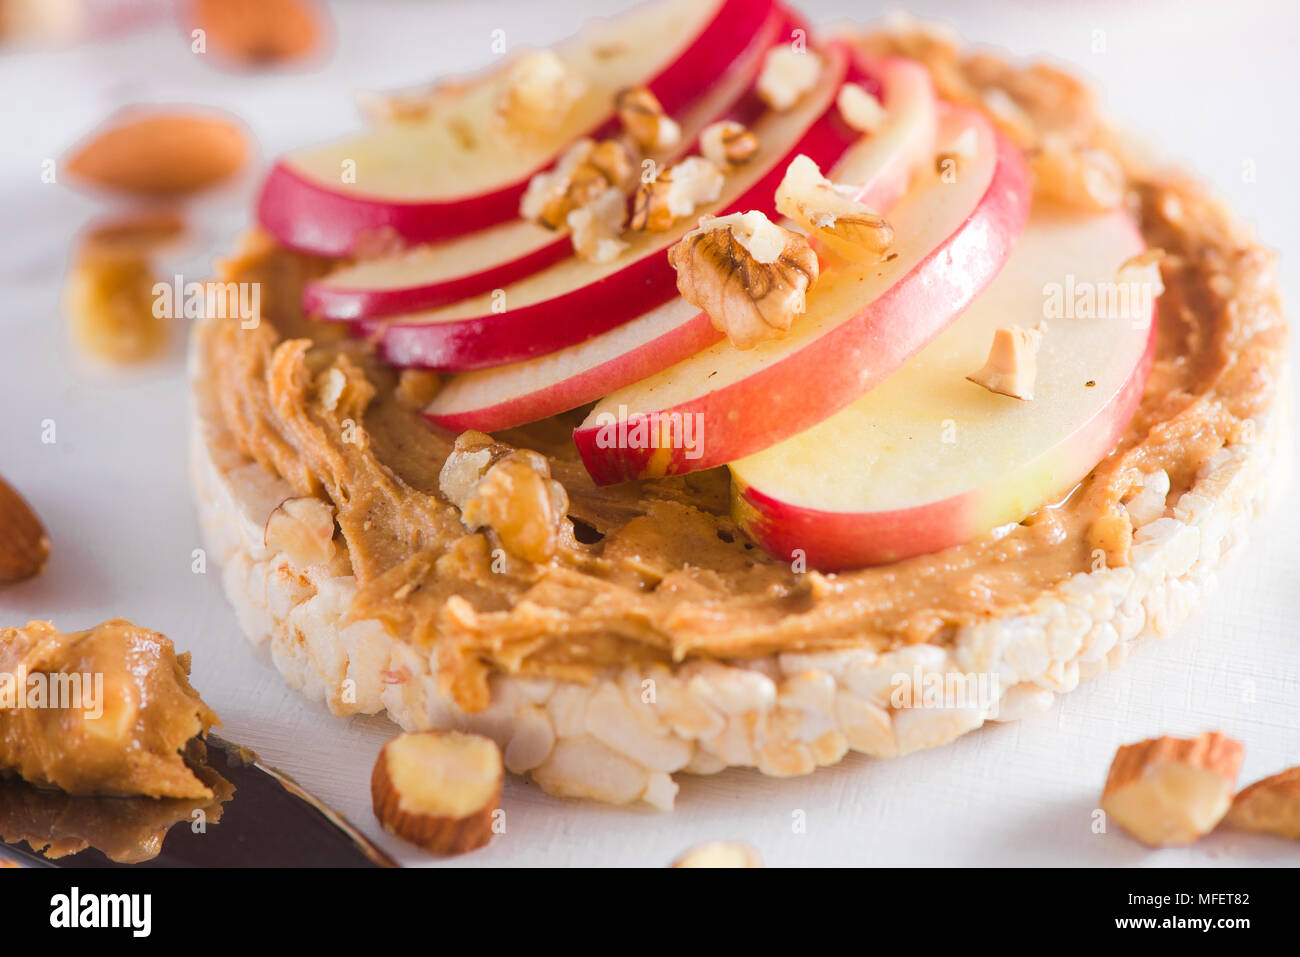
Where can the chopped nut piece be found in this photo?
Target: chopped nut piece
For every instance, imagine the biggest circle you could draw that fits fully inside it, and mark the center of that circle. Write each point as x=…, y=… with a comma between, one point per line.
x=727, y=144
x=747, y=273
x=1086, y=179
x=829, y=213
x=585, y=171
x=1271, y=805
x=596, y=227
x=1112, y=534
x=507, y=490
x=540, y=91
x=303, y=529
x=676, y=192
x=860, y=108
x=720, y=854
x=644, y=118
x=787, y=75
x=1143, y=270
x=24, y=546
x=1169, y=791
x=1012, y=365
x=110, y=303
x=416, y=388
x=438, y=789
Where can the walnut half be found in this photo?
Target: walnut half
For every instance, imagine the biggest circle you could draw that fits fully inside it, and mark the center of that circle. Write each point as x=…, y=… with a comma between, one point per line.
x=749, y=274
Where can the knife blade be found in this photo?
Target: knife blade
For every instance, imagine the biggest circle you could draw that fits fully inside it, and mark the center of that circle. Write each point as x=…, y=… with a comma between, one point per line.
x=260, y=818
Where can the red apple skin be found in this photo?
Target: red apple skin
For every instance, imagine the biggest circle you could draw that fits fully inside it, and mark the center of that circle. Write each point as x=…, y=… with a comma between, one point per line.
x=312, y=218
x=836, y=541
x=832, y=371
x=496, y=339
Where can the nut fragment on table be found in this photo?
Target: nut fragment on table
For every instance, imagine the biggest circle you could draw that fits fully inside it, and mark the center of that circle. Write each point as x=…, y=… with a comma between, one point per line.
x=830, y=213
x=24, y=546
x=749, y=274
x=438, y=789
x=720, y=854
x=1170, y=791
x=1012, y=364
x=1271, y=806
x=109, y=302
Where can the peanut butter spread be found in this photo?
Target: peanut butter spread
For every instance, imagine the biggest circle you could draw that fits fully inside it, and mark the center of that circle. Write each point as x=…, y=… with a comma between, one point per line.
x=657, y=571
x=104, y=711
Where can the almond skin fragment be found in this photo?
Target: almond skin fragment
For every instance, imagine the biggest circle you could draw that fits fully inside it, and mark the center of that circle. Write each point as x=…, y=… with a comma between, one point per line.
x=438, y=789
x=24, y=546
x=720, y=854
x=151, y=153
x=1171, y=791
x=1271, y=806
x=259, y=31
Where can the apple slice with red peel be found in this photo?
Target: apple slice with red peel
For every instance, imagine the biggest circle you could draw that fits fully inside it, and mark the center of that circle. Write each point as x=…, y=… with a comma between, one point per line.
x=928, y=460
x=574, y=300
x=428, y=276
x=511, y=395
x=862, y=322
x=453, y=172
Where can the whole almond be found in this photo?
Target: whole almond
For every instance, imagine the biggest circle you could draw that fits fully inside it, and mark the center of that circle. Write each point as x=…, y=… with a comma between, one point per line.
x=24, y=546
x=160, y=153
x=259, y=31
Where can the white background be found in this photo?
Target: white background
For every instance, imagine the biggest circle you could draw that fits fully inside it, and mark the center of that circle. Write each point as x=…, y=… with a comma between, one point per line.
x=1212, y=85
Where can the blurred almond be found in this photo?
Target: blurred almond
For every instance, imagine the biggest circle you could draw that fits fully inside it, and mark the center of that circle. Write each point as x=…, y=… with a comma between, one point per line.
x=259, y=31
x=109, y=301
x=24, y=546
x=160, y=153
x=142, y=231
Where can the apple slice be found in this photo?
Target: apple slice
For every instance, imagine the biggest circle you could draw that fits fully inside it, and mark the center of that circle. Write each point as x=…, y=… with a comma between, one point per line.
x=510, y=395
x=575, y=299
x=863, y=321
x=453, y=173
x=425, y=277
x=928, y=459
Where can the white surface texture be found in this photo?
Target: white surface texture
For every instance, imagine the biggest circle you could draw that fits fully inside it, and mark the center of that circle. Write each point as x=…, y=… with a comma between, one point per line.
x=1210, y=86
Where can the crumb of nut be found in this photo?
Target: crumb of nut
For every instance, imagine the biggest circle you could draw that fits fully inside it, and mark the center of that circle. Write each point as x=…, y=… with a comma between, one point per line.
x=1170, y=791
x=860, y=108
x=1085, y=179
x=540, y=90
x=1271, y=806
x=676, y=193
x=962, y=148
x=303, y=529
x=644, y=118
x=747, y=273
x=1012, y=364
x=787, y=74
x=720, y=854
x=585, y=171
x=1112, y=535
x=830, y=213
x=24, y=546
x=727, y=143
x=596, y=227
x=1143, y=271
x=110, y=303
x=160, y=152
x=438, y=789
x=507, y=490
x=260, y=31
x=416, y=388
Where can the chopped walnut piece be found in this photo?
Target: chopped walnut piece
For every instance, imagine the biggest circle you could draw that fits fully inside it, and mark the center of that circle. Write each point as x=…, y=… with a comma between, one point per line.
x=585, y=171
x=747, y=273
x=1086, y=179
x=1271, y=805
x=303, y=529
x=787, y=74
x=416, y=388
x=1012, y=365
x=1143, y=270
x=110, y=302
x=539, y=93
x=860, y=108
x=645, y=120
x=508, y=490
x=727, y=143
x=676, y=192
x=596, y=227
x=1169, y=791
x=829, y=213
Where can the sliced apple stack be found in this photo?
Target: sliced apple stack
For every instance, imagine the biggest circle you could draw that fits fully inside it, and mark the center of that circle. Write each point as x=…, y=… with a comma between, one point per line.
x=863, y=320
x=575, y=299
x=452, y=172
x=881, y=165
x=436, y=274
x=929, y=459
